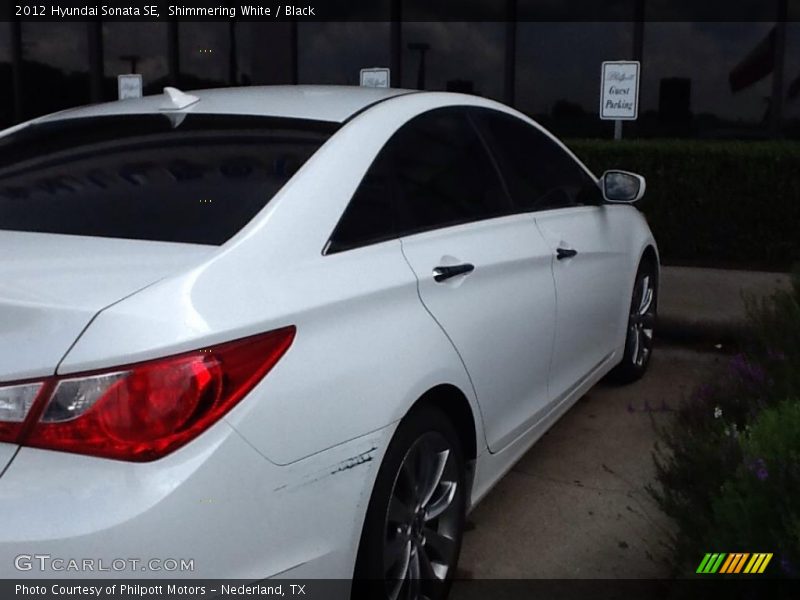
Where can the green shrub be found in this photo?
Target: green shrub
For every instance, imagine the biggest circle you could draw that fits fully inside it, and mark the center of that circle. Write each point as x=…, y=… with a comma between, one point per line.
x=728, y=466
x=758, y=507
x=715, y=203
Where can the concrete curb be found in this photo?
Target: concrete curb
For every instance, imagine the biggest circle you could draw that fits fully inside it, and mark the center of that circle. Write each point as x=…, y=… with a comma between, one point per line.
x=708, y=305
x=674, y=328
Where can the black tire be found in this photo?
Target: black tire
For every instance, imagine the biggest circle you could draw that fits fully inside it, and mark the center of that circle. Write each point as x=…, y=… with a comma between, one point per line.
x=404, y=531
x=641, y=326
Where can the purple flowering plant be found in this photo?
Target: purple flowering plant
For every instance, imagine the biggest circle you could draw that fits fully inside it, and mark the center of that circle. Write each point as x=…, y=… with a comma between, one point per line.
x=728, y=463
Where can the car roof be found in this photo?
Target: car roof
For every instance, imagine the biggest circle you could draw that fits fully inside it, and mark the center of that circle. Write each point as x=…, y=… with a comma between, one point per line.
x=331, y=103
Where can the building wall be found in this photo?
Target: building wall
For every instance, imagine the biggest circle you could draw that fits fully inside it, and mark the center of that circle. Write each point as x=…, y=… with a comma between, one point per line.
x=556, y=66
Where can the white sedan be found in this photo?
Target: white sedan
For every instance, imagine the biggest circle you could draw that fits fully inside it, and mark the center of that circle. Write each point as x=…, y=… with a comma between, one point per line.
x=295, y=331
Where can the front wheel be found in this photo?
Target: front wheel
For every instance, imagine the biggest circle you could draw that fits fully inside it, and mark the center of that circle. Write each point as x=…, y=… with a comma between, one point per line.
x=641, y=326
x=415, y=521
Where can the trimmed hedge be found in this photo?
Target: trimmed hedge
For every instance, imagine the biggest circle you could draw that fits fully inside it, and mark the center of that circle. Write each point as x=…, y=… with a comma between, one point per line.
x=713, y=203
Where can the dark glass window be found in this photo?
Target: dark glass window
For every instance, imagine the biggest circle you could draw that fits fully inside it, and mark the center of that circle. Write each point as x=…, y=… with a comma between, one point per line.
x=458, y=56
x=540, y=175
x=6, y=78
x=434, y=172
x=369, y=217
x=55, y=67
x=444, y=173
x=150, y=177
x=205, y=60
x=335, y=52
x=135, y=47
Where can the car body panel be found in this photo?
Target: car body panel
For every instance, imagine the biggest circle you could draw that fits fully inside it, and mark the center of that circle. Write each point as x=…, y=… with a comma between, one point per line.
x=316, y=102
x=246, y=287
x=52, y=285
x=7, y=452
x=587, y=287
x=281, y=484
x=88, y=508
x=500, y=316
x=492, y=466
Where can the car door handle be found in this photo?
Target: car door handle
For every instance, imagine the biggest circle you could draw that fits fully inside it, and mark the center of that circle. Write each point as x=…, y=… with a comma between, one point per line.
x=562, y=253
x=444, y=273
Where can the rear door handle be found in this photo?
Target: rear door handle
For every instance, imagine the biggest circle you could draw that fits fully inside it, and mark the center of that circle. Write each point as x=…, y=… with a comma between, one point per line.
x=562, y=253
x=444, y=273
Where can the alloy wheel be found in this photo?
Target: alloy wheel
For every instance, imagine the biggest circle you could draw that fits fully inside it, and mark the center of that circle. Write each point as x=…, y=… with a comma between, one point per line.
x=642, y=320
x=422, y=520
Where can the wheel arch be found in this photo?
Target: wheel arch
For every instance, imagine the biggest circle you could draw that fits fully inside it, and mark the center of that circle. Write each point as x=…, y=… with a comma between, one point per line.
x=454, y=404
x=649, y=255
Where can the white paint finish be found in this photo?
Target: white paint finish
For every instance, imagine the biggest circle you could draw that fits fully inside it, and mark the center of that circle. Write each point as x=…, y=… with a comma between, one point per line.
x=365, y=309
x=589, y=287
x=366, y=349
x=500, y=316
x=52, y=285
x=216, y=501
x=320, y=103
x=7, y=452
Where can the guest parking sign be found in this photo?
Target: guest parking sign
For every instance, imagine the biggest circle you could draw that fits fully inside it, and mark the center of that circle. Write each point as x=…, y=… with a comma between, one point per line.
x=619, y=90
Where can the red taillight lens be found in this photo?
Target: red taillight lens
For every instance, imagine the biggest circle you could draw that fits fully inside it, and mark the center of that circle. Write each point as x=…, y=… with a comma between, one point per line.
x=143, y=412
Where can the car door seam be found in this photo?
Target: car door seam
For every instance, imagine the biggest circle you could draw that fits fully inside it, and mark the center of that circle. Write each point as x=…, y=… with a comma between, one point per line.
x=449, y=339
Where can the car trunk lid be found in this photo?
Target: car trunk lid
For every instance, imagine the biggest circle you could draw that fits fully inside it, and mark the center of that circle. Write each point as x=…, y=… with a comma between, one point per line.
x=51, y=286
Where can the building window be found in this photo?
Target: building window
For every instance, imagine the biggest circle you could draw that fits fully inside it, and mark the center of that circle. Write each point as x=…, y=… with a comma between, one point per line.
x=135, y=48
x=334, y=53
x=459, y=57
x=6, y=78
x=55, y=73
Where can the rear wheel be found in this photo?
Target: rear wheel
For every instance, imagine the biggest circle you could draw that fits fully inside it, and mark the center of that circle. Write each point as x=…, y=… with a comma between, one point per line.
x=415, y=521
x=641, y=326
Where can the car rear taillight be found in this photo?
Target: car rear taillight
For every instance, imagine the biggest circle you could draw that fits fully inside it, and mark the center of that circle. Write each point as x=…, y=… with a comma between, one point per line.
x=139, y=412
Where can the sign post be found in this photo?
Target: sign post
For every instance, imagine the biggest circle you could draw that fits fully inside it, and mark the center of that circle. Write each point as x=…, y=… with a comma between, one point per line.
x=619, y=93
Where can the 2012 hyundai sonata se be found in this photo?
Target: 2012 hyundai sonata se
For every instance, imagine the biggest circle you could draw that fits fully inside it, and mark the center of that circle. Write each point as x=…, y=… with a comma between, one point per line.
x=295, y=331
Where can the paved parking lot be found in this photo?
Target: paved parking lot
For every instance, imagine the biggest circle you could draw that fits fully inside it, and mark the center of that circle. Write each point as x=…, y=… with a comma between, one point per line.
x=575, y=506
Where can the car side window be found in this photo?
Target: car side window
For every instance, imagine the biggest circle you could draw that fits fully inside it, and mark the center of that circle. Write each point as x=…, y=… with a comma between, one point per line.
x=444, y=175
x=540, y=175
x=435, y=171
x=369, y=217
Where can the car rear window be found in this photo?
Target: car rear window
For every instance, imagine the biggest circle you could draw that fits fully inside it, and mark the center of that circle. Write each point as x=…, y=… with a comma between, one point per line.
x=165, y=177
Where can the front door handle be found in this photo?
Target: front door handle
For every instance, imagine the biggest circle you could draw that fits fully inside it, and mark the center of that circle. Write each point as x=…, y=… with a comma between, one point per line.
x=444, y=273
x=562, y=253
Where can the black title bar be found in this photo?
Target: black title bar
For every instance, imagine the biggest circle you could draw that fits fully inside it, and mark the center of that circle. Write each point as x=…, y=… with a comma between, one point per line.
x=405, y=10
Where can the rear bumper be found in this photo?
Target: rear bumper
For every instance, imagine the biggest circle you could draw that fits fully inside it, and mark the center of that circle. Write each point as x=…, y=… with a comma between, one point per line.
x=214, y=509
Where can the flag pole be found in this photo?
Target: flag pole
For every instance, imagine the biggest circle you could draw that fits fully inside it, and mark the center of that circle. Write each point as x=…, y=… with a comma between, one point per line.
x=776, y=103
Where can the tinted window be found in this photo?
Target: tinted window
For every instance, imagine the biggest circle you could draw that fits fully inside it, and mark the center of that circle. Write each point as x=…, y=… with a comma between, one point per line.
x=369, y=216
x=149, y=177
x=434, y=172
x=539, y=174
x=444, y=173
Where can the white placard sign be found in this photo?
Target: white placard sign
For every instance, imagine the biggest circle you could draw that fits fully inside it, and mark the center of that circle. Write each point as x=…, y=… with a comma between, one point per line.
x=378, y=78
x=129, y=86
x=619, y=90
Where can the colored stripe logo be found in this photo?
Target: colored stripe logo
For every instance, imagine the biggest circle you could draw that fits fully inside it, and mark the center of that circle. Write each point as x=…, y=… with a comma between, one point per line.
x=734, y=563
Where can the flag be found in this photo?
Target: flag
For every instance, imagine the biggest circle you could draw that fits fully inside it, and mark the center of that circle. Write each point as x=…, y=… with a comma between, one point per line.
x=755, y=66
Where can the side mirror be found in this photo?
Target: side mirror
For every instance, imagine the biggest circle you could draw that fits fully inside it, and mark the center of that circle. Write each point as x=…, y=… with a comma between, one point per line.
x=622, y=186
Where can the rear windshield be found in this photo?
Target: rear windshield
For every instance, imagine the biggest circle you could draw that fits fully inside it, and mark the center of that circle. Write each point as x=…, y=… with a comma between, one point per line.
x=165, y=177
